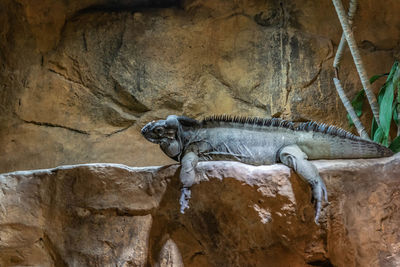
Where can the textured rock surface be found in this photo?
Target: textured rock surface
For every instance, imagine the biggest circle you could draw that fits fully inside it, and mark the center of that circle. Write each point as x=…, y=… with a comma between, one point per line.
x=79, y=78
x=240, y=215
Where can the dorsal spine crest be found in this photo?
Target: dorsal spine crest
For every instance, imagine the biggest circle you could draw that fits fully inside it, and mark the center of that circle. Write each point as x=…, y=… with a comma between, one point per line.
x=310, y=126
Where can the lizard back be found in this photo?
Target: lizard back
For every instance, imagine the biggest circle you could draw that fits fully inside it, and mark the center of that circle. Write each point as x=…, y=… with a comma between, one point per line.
x=256, y=140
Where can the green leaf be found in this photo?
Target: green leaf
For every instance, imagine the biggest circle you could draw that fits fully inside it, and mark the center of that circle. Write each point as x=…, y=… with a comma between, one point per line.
x=357, y=104
x=392, y=78
x=378, y=136
x=395, y=145
x=382, y=93
x=386, y=98
x=393, y=70
x=396, y=78
x=385, y=111
x=389, y=106
x=396, y=108
x=396, y=111
x=376, y=77
x=398, y=93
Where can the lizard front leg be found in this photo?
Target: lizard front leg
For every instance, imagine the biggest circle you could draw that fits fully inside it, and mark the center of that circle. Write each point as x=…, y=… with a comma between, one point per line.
x=187, y=177
x=292, y=156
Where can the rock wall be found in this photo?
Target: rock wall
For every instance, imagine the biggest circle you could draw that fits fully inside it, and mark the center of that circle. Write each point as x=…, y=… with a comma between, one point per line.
x=79, y=78
x=240, y=215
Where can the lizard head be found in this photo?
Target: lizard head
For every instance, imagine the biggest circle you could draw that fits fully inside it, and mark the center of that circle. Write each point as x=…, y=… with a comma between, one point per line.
x=168, y=134
x=159, y=132
x=165, y=133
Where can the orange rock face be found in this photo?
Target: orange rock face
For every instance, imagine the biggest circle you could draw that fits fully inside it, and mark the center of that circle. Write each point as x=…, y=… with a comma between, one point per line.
x=240, y=215
x=78, y=79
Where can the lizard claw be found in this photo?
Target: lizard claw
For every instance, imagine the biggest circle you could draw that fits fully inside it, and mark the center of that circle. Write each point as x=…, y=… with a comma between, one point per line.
x=318, y=193
x=184, y=199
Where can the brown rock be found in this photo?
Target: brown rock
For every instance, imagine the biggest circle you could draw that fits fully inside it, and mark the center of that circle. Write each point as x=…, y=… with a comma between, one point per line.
x=240, y=215
x=170, y=255
x=88, y=215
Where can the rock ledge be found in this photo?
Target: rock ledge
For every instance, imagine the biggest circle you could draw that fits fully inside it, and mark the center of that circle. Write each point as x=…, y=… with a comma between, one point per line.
x=112, y=214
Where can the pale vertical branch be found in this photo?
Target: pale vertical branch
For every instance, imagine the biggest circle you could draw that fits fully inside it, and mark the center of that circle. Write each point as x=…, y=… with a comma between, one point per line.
x=339, y=53
x=357, y=58
x=346, y=102
x=342, y=44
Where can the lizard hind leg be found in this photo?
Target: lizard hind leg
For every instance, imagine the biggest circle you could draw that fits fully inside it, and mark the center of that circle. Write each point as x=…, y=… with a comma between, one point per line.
x=293, y=157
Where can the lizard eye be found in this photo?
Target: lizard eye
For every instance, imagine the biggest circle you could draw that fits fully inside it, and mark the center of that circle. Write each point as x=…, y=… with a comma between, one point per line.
x=159, y=131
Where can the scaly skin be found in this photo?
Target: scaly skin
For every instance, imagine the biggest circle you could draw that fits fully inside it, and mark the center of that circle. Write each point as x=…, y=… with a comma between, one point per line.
x=257, y=142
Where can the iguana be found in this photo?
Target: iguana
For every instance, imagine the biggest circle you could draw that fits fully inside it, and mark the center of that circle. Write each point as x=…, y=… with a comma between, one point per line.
x=257, y=141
